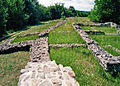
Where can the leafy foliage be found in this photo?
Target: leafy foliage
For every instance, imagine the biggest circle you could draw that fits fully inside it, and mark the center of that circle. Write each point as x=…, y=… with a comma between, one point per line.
x=3, y=16
x=106, y=11
x=30, y=12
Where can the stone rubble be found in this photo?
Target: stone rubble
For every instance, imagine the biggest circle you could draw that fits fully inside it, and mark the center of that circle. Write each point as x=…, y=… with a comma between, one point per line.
x=40, y=50
x=118, y=32
x=109, y=62
x=7, y=47
x=94, y=32
x=40, y=71
x=106, y=24
x=47, y=74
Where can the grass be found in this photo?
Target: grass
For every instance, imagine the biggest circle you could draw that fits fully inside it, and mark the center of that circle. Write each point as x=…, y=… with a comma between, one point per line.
x=65, y=34
x=110, y=50
x=26, y=38
x=87, y=28
x=86, y=67
x=113, y=40
x=107, y=29
x=83, y=20
x=10, y=66
x=38, y=28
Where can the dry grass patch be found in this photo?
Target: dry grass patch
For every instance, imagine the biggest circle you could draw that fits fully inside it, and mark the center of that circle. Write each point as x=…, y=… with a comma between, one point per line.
x=10, y=66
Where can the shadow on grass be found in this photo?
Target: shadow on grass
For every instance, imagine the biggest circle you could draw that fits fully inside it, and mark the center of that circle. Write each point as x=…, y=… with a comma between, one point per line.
x=15, y=49
x=19, y=30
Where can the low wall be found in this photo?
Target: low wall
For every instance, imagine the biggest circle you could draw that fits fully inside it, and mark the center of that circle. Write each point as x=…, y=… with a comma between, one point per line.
x=94, y=32
x=107, y=24
x=51, y=28
x=107, y=61
x=40, y=50
x=7, y=47
x=40, y=71
x=118, y=31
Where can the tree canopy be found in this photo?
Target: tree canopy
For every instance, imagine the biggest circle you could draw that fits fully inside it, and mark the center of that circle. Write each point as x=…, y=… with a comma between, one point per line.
x=106, y=11
x=16, y=14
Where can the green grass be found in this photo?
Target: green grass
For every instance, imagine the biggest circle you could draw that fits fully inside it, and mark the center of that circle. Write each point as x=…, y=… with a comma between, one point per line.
x=65, y=34
x=113, y=40
x=10, y=66
x=87, y=28
x=38, y=28
x=107, y=29
x=83, y=20
x=26, y=38
x=110, y=50
x=86, y=67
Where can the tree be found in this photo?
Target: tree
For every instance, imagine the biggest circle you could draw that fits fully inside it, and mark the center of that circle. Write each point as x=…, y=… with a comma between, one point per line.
x=106, y=11
x=63, y=15
x=16, y=17
x=3, y=16
x=56, y=10
x=73, y=11
x=32, y=9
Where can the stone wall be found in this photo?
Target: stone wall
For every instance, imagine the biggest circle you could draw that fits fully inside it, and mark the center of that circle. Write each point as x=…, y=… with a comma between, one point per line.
x=94, y=32
x=40, y=50
x=118, y=32
x=7, y=47
x=40, y=71
x=107, y=61
x=51, y=28
x=107, y=24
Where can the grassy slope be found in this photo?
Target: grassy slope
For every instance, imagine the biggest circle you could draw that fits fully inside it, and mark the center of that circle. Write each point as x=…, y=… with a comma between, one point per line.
x=86, y=67
x=104, y=29
x=107, y=40
x=87, y=28
x=110, y=50
x=10, y=66
x=38, y=28
x=26, y=38
x=107, y=29
x=65, y=34
x=33, y=29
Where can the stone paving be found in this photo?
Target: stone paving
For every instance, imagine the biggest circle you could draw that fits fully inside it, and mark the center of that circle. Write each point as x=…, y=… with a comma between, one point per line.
x=40, y=71
x=40, y=50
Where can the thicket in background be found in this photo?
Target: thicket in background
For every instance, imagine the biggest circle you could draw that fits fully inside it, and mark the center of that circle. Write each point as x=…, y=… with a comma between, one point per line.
x=106, y=11
x=16, y=14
